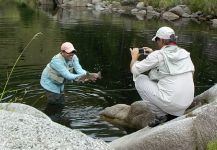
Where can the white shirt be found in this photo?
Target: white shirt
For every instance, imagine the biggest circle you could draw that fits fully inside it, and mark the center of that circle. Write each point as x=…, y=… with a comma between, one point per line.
x=176, y=91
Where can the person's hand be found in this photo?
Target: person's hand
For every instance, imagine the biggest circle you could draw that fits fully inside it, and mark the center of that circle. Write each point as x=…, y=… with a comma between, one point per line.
x=93, y=76
x=134, y=53
x=148, y=50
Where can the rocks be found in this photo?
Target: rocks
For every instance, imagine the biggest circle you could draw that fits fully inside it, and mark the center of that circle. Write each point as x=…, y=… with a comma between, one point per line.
x=214, y=23
x=76, y=3
x=191, y=131
x=170, y=16
x=135, y=116
x=116, y=114
x=136, y=8
x=24, y=127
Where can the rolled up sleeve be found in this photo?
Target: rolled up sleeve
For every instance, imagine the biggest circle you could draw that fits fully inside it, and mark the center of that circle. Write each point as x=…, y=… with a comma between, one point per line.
x=78, y=68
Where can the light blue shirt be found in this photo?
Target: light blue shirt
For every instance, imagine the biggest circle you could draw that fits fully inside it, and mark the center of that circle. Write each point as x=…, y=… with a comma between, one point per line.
x=60, y=65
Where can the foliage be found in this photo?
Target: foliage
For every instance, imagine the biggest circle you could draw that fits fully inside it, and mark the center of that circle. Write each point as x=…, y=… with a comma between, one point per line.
x=212, y=145
x=161, y=3
x=206, y=6
x=18, y=58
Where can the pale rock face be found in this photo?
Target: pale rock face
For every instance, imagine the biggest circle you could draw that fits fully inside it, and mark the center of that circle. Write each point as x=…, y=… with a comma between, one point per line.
x=26, y=128
x=170, y=16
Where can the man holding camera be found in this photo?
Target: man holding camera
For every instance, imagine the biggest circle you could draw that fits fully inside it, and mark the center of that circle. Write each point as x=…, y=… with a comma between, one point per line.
x=168, y=89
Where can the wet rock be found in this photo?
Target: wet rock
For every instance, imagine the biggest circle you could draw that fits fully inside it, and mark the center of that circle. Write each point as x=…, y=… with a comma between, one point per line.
x=196, y=14
x=128, y=2
x=135, y=116
x=116, y=114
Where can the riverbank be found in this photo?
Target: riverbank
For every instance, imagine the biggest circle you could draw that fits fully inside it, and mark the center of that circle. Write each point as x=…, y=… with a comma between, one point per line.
x=173, y=10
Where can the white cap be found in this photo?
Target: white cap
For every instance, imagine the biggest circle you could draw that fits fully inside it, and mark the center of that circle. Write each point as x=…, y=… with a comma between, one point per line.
x=67, y=47
x=164, y=33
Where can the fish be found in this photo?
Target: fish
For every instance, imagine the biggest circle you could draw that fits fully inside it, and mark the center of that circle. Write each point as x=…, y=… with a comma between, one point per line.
x=89, y=77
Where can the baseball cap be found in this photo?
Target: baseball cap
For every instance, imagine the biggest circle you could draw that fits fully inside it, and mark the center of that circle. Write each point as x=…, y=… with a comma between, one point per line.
x=164, y=33
x=67, y=47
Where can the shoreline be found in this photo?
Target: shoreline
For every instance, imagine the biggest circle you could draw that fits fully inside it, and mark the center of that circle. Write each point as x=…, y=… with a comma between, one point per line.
x=139, y=10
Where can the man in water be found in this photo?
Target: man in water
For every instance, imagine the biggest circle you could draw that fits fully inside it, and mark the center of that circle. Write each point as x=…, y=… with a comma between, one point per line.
x=168, y=89
x=60, y=69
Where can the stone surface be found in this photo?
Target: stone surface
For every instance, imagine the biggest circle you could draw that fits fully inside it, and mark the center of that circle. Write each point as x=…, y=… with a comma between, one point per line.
x=170, y=16
x=26, y=130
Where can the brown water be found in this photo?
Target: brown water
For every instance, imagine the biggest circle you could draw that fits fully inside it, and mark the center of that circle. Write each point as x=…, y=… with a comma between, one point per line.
x=103, y=42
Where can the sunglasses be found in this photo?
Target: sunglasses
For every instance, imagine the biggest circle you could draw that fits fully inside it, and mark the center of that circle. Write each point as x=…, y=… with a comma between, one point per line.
x=73, y=52
x=157, y=39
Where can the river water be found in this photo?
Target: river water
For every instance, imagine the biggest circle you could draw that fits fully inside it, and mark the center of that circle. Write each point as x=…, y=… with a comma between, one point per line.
x=102, y=41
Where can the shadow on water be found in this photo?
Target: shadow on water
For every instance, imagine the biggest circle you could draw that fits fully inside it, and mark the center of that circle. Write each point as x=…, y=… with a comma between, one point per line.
x=103, y=42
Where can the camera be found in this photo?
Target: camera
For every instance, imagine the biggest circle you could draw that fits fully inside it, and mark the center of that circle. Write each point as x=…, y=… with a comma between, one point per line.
x=141, y=51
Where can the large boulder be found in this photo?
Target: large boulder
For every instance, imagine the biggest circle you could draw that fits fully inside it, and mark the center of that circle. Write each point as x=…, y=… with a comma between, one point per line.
x=135, y=116
x=192, y=131
x=170, y=16
x=29, y=130
x=181, y=10
x=117, y=115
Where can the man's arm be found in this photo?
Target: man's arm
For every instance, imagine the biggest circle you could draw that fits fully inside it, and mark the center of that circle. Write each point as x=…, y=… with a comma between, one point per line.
x=134, y=56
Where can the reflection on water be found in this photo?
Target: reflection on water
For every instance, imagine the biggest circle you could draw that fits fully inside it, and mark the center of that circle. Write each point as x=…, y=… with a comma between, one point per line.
x=103, y=42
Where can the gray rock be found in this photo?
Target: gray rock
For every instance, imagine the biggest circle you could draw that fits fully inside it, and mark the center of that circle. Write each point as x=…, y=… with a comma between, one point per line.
x=89, y=5
x=99, y=7
x=136, y=116
x=134, y=11
x=192, y=131
x=76, y=3
x=96, y=1
x=139, y=115
x=25, y=131
x=140, y=5
x=169, y=16
x=185, y=15
x=150, y=9
x=116, y=114
x=142, y=12
x=177, y=10
x=170, y=136
x=23, y=109
x=214, y=23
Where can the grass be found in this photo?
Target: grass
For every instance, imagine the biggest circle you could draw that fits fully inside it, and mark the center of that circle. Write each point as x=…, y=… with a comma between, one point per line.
x=212, y=145
x=18, y=58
